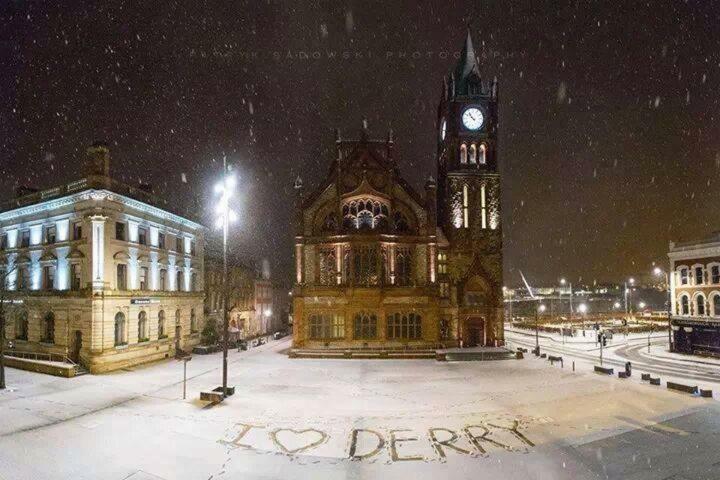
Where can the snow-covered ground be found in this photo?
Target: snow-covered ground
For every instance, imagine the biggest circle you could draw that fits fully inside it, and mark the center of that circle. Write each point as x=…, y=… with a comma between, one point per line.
x=401, y=419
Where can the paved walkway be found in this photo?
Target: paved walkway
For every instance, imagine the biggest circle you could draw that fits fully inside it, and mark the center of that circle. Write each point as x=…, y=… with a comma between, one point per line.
x=390, y=419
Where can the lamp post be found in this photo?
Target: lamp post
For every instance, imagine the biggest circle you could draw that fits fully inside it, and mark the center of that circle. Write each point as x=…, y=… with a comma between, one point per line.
x=582, y=308
x=659, y=272
x=224, y=216
x=563, y=282
x=540, y=309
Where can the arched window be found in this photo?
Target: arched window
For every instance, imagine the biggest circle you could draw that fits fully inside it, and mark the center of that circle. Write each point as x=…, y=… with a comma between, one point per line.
x=120, y=338
x=716, y=305
x=49, y=328
x=365, y=265
x=463, y=153
x=161, y=324
x=403, y=266
x=483, y=207
x=684, y=280
x=142, y=327
x=365, y=326
x=326, y=266
x=481, y=154
x=193, y=321
x=699, y=275
x=700, y=305
x=473, y=154
x=21, y=325
x=684, y=305
x=365, y=214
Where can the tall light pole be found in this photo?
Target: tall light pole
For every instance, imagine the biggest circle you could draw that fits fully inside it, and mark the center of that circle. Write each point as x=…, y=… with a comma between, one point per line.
x=582, y=308
x=659, y=272
x=563, y=282
x=540, y=309
x=224, y=216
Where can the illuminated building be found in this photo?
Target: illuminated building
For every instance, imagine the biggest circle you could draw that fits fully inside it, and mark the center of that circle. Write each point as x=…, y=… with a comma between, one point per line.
x=99, y=273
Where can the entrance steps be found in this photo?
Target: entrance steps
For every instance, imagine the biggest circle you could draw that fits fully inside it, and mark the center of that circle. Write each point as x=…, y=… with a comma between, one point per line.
x=474, y=354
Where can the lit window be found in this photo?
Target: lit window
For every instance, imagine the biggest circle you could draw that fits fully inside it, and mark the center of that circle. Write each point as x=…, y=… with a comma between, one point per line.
x=442, y=262
x=466, y=213
x=473, y=154
x=482, y=154
x=326, y=326
x=463, y=153
x=483, y=208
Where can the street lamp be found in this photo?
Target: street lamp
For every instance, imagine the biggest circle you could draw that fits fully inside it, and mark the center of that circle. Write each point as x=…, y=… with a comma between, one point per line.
x=563, y=282
x=659, y=272
x=582, y=308
x=641, y=305
x=225, y=215
x=540, y=309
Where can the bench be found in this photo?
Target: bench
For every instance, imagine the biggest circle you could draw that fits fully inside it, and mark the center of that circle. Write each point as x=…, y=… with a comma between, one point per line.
x=554, y=359
x=655, y=381
x=544, y=355
x=682, y=388
x=623, y=375
x=211, y=396
x=705, y=393
x=606, y=371
x=645, y=376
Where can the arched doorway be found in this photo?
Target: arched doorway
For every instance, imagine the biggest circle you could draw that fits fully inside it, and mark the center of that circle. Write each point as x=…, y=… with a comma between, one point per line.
x=475, y=305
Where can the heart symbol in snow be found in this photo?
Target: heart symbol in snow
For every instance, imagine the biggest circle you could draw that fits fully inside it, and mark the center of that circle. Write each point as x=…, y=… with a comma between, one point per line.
x=296, y=441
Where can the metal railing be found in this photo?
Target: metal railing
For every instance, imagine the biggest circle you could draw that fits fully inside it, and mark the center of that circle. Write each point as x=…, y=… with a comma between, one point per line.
x=49, y=357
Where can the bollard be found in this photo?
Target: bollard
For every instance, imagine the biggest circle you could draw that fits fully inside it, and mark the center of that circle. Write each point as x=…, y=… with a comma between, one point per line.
x=573, y=365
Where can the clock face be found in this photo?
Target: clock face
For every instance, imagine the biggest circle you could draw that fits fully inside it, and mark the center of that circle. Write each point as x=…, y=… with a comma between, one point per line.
x=443, y=129
x=472, y=118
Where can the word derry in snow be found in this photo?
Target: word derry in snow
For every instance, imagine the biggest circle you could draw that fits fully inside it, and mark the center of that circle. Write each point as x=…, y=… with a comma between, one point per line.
x=397, y=444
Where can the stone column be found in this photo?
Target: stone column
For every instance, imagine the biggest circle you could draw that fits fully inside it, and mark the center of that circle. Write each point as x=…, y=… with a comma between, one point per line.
x=98, y=251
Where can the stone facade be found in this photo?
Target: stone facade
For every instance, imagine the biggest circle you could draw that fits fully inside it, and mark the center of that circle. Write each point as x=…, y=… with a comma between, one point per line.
x=695, y=296
x=98, y=272
x=378, y=265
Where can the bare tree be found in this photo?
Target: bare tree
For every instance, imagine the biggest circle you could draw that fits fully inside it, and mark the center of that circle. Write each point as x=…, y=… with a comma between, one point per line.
x=4, y=283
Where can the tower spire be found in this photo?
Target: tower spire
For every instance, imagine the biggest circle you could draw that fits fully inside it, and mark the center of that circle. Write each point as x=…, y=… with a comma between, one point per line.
x=467, y=69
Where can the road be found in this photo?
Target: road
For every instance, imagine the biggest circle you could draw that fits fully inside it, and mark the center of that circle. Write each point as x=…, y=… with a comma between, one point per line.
x=616, y=355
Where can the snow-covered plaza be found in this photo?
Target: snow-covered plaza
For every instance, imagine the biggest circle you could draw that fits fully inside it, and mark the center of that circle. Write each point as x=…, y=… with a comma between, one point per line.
x=353, y=419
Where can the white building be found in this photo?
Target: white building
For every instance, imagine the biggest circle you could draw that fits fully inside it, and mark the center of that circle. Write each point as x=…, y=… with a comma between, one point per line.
x=96, y=272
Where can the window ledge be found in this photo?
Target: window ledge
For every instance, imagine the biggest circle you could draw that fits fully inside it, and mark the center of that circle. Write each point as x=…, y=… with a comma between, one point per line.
x=143, y=341
x=47, y=344
x=122, y=346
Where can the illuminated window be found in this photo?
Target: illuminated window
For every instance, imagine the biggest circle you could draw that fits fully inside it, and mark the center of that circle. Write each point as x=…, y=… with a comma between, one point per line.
x=442, y=262
x=326, y=326
x=463, y=153
x=407, y=326
x=473, y=154
x=482, y=154
x=365, y=265
x=365, y=214
x=466, y=213
x=483, y=208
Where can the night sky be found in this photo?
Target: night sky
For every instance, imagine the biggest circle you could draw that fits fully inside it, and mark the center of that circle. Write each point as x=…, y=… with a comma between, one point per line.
x=609, y=132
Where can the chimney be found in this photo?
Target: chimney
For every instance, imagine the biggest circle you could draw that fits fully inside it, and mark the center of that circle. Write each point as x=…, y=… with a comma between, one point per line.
x=98, y=159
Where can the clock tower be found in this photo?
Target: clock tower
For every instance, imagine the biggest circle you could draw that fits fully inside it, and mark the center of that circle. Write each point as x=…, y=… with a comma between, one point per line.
x=468, y=196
